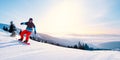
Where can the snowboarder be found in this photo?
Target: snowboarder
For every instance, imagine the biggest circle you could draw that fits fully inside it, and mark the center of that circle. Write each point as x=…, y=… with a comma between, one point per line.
x=29, y=29
x=12, y=29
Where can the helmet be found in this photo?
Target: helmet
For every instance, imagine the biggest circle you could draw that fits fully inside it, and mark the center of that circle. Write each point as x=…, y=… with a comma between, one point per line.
x=30, y=19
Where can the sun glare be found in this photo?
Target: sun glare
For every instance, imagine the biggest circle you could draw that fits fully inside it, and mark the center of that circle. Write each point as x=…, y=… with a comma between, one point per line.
x=63, y=18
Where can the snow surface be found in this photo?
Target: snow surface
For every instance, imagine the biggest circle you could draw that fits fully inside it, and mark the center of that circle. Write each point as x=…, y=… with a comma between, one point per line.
x=11, y=49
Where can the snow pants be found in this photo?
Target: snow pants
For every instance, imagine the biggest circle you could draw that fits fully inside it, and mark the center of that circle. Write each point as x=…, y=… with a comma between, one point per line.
x=27, y=34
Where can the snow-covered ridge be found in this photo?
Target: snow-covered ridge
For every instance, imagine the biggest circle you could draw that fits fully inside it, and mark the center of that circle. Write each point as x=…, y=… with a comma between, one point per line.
x=107, y=43
x=2, y=25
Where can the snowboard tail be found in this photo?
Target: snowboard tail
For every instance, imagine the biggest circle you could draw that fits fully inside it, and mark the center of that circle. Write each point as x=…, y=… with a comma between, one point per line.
x=24, y=42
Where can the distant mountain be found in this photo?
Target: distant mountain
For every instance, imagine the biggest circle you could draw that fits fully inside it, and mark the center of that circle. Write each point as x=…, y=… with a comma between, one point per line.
x=94, y=35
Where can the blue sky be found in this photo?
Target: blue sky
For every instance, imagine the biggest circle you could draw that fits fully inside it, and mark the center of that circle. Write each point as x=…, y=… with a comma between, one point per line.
x=64, y=16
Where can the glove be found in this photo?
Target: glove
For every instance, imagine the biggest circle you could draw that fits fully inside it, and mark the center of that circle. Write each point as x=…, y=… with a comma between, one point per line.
x=35, y=32
x=21, y=23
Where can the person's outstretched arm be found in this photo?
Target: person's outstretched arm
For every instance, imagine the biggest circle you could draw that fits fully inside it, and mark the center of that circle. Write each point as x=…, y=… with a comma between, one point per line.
x=23, y=23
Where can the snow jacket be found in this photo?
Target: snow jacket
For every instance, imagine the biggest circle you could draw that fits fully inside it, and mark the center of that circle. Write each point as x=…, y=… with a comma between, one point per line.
x=30, y=26
x=12, y=28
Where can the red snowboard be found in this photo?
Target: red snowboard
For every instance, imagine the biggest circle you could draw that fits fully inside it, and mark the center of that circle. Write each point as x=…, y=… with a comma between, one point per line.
x=26, y=43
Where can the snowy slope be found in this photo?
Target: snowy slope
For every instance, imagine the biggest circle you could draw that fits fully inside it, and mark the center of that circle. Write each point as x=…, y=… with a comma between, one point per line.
x=11, y=49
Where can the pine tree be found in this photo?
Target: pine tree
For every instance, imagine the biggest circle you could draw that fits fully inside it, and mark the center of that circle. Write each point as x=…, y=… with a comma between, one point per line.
x=75, y=46
x=86, y=47
x=80, y=46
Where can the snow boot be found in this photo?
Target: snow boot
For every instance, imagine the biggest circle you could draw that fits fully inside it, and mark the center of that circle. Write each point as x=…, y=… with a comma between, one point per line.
x=20, y=39
x=26, y=41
